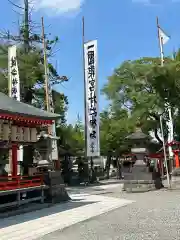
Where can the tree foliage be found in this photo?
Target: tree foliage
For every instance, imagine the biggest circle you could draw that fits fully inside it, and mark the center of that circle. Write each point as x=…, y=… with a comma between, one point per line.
x=30, y=58
x=143, y=87
x=114, y=127
x=72, y=138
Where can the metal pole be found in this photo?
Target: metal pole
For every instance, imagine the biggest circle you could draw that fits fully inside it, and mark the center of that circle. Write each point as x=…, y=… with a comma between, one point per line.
x=26, y=26
x=164, y=148
x=170, y=125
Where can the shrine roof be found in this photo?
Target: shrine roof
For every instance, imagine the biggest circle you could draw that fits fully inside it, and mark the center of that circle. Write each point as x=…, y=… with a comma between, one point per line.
x=11, y=106
x=137, y=135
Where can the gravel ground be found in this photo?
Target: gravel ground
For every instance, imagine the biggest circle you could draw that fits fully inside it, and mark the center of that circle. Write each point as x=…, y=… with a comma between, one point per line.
x=154, y=215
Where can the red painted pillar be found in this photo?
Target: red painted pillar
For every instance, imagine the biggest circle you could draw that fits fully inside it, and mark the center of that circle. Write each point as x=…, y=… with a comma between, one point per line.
x=14, y=160
x=176, y=155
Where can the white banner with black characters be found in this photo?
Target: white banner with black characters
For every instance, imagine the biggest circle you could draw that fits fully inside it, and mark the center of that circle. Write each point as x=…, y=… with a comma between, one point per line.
x=14, y=83
x=92, y=111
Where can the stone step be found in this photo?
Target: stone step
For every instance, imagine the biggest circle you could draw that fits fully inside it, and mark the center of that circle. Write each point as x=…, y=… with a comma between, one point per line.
x=139, y=188
x=138, y=181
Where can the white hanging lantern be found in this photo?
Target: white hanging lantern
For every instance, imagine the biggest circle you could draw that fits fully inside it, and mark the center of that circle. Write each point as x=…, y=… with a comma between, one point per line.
x=14, y=133
x=6, y=130
x=27, y=135
x=33, y=135
x=21, y=134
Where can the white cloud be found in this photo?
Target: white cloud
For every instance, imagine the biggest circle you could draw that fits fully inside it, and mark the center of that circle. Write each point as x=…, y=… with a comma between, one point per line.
x=58, y=7
x=155, y=2
x=147, y=2
x=141, y=1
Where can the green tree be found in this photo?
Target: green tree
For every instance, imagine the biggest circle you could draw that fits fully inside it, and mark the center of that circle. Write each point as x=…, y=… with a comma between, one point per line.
x=135, y=87
x=72, y=138
x=31, y=65
x=114, y=127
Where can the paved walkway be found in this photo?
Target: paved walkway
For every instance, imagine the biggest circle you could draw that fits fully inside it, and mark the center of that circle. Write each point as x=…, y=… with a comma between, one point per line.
x=35, y=225
x=152, y=216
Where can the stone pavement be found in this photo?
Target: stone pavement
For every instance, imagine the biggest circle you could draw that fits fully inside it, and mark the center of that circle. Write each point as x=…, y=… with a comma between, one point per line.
x=108, y=215
x=152, y=216
x=40, y=223
x=102, y=188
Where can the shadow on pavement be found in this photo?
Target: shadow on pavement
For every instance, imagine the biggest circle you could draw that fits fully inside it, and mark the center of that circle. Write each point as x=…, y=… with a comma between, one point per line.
x=43, y=212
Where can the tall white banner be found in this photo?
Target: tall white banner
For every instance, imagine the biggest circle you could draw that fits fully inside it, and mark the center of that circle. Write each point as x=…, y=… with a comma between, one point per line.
x=14, y=83
x=92, y=111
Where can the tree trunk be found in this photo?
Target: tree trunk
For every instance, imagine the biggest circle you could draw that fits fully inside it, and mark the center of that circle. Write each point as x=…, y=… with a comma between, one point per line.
x=108, y=164
x=157, y=136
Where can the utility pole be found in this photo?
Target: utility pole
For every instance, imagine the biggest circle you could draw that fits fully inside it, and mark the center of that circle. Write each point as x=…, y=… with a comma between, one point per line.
x=46, y=75
x=45, y=68
x=26, y=26
x=48, y=99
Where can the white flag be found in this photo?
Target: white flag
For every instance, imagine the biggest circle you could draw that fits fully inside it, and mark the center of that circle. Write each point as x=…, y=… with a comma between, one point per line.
x=163, y=37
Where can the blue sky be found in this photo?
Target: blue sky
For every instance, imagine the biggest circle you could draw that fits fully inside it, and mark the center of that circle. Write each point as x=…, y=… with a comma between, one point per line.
x=125, y=29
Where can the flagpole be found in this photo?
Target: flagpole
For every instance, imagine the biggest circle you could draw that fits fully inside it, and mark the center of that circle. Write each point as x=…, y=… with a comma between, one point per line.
x=85, y=107
x=170, y=125
x=169, y=109
x=160, y=44
x=164, y=149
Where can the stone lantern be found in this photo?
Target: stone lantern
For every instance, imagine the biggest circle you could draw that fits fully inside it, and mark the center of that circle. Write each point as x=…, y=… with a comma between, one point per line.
x=139, y=142
x=44, y=147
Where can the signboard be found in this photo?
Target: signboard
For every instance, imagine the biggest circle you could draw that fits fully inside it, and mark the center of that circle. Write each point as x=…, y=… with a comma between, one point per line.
x=92, y=113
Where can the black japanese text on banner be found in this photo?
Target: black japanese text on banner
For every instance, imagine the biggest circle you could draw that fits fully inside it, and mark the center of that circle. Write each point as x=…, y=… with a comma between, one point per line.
x=14, y=83
x=92, y=111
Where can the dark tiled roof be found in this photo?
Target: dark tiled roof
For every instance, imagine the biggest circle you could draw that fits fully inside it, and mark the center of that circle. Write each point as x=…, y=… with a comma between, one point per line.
x=137, y=135
x=11, y=106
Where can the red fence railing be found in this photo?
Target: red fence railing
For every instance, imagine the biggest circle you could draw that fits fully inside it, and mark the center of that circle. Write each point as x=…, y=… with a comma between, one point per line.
x=10, y=183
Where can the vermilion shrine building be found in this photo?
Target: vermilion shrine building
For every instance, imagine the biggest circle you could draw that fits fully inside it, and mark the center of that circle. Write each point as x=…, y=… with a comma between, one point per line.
x=18, y=126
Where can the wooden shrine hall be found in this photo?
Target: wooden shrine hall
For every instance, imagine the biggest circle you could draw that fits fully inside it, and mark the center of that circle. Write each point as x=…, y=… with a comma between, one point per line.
x=18, y=127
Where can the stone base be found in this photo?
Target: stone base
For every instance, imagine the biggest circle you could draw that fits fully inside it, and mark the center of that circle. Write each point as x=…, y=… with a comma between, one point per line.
x=133, y=186
x=139, y=172
x=176, y=172
x=56, y=192
x=139, y=180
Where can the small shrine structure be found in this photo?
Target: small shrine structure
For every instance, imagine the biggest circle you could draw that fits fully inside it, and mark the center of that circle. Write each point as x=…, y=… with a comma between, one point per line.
x=139, y=142
x=139, y=179
x=19, y=125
